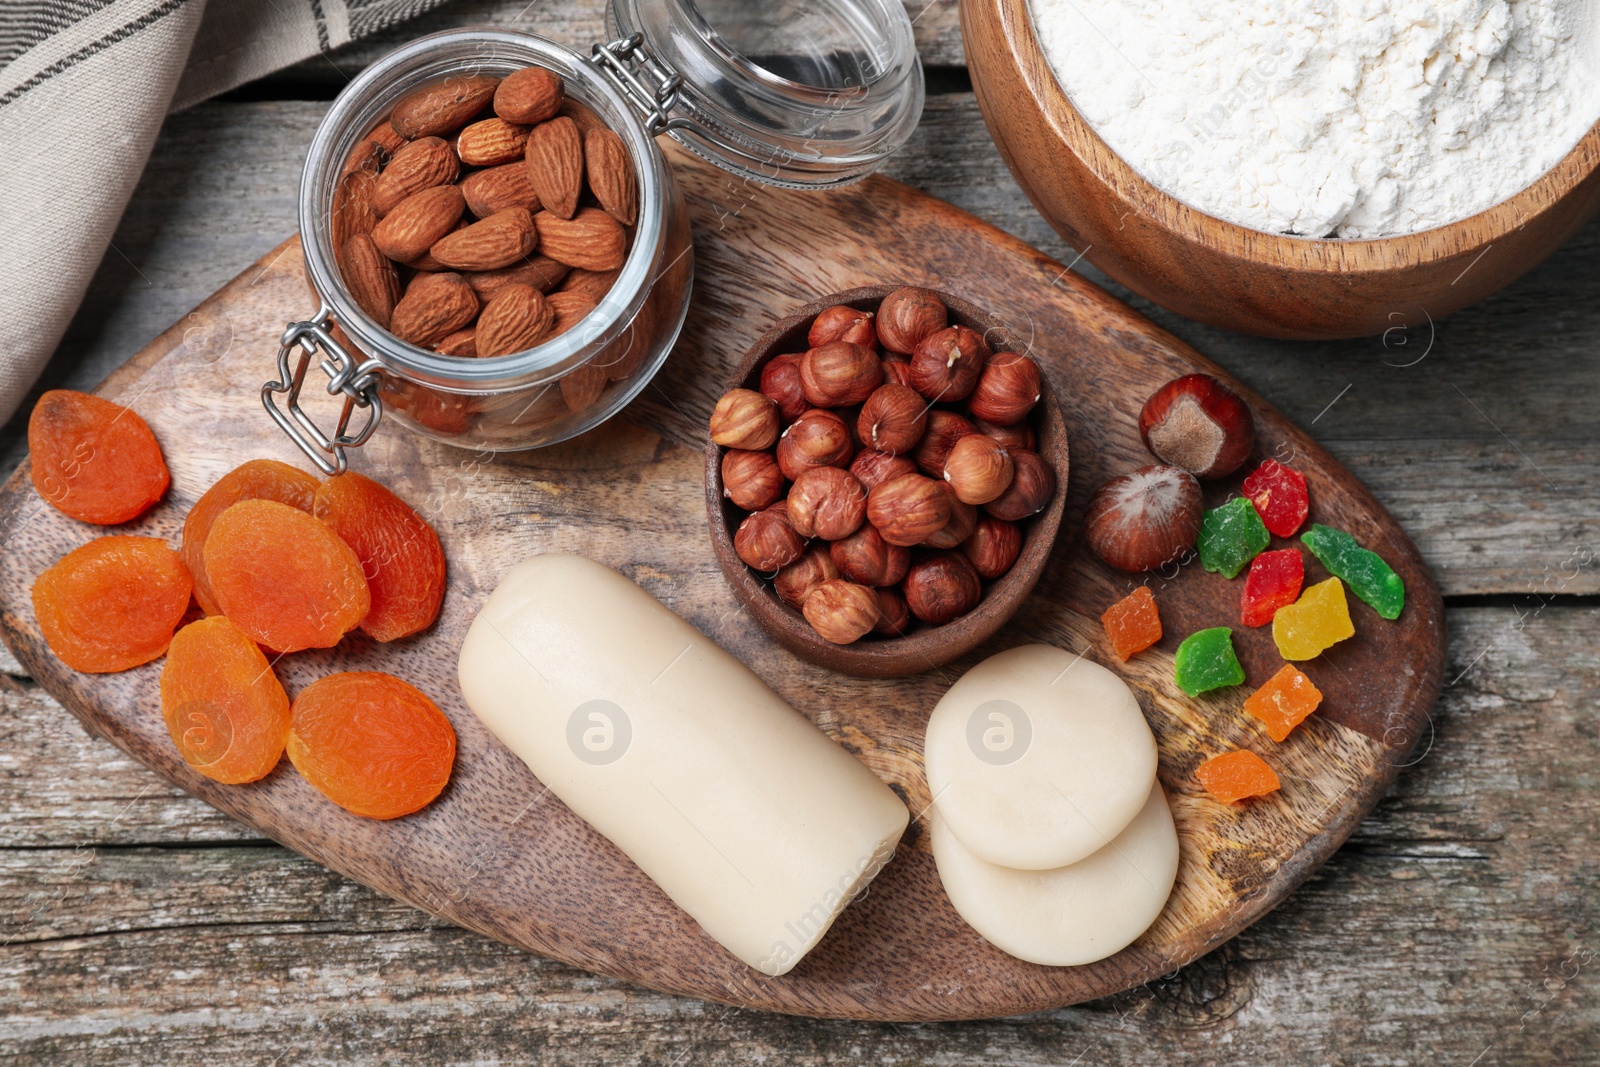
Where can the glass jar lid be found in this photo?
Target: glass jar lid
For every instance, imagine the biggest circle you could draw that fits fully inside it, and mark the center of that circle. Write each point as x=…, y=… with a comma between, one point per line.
x=796, y=93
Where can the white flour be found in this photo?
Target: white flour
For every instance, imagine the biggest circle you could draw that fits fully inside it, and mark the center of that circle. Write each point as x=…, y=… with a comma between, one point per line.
x=1348, y=118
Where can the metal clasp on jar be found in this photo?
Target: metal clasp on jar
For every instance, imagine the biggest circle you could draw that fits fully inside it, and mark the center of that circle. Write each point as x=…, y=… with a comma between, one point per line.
x=618, y=59
x=358, y=382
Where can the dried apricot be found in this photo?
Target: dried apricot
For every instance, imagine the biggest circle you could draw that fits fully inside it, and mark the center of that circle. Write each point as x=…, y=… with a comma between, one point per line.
x=259, y=479
x=225, y=709
x=371, y=743
x=286, y=579
x=112, y=603
x=399, y=552
x=94, y=460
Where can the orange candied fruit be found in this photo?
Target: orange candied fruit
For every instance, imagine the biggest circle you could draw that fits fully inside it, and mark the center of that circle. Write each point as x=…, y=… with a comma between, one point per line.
x=286, y=579
x=259, y=479
x=371, y=743
x=1234, y=776
x=112, y=604
x=225, y=709
x=1133, y=624
x=1284, y=702
x=94, y=460
x=399, y=552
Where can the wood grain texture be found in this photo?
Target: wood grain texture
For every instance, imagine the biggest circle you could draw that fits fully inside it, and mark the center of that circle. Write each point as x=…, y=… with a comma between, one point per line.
x=1443, y=928
x=630, y=497
x=1229, y=275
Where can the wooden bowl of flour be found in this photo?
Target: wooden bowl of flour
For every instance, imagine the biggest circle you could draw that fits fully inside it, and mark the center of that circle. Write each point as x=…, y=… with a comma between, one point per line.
x=1227, y=274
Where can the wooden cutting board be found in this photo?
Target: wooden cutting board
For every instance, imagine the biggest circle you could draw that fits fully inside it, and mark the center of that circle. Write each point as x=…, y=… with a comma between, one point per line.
x=498, y=854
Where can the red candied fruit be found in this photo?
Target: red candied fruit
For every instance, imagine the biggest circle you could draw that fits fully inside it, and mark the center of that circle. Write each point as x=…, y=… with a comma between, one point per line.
x=1279, y=494
x=1273, y=582
x=1133, y=624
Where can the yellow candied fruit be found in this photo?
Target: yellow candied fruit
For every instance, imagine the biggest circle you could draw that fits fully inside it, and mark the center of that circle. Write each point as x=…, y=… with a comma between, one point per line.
x=1316, y=622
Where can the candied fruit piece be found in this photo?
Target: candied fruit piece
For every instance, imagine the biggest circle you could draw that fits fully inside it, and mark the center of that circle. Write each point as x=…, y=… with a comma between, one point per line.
x=399, y=552
x=223, y=706
x=94, y=460
x=259, y=479
x=112, y=604
x=1313, y=624
x=1368, y=576
x=371, y=743
x=1279, y=495
x=1231, y=536
x=1206, y=661
x=1133, y=624
x=1284, y=702
x=1273, y=582
x=285, y=578
x=1235, y=776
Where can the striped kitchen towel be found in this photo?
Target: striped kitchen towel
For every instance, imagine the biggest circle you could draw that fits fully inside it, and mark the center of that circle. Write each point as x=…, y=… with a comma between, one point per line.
x=84, y=86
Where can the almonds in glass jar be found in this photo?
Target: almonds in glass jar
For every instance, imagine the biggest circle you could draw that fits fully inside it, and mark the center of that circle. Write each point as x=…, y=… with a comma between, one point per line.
x=839, y=374
x=908, y=315
x=826, y=502
x=908, y=509
x=818, y=438
x=893, y=419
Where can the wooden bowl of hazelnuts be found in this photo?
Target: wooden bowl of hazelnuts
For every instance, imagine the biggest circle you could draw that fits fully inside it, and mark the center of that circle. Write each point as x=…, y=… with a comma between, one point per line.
x=885, y=479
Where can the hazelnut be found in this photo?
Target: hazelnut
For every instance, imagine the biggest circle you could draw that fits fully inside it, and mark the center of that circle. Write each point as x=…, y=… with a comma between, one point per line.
x=897, y=371
x=867, y=558
x=1197, y=423
x=841, y=323
x=751, y=479
x=978, y=469
x=945, y=428
x=993, y=547
x=941, y=587
x=744, y=418
x=1017, y=435
x=1139, y=521
x=892, y=419
x=839, y=373
x=818, y=438
x=766, y=541
x=873, y=468
x=894, y=618
x=908, y=315
x=909, y=508
x=946, y=364
x=1033, y=483
x=840, y=611
x=1007, y=390
x=826, y=502
x=795, y=581
x=780, y=379
x=963, y=517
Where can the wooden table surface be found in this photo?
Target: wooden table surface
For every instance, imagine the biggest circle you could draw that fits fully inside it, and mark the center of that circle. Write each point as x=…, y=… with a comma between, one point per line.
x=1459, y=926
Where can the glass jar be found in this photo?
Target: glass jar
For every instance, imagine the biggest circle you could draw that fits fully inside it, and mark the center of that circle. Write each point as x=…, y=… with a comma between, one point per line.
x=793, y=94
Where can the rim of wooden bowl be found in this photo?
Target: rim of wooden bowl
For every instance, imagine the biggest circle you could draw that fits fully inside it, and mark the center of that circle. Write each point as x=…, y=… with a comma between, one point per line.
x=1339, y=255
x=932, y=646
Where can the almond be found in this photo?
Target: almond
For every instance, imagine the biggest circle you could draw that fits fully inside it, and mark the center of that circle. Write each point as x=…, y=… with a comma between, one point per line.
x=541, y=272
x=462, y=343
x=611, y=176
x=590, y=240
x=581, y=116
x=370, y=277
x=384, y=134
x=517, y=318
x=569, y=310
x=366, y=155
x=443, y=107
x=498, y=241
x=491, y=142
x=555, y=165
x=591, y=283
x=582, y=386
x=528, y=96
x=421, y=164
x=352, y=211
x=418, y=221
x=433, y=307
x=498, y=188
x=426, y=260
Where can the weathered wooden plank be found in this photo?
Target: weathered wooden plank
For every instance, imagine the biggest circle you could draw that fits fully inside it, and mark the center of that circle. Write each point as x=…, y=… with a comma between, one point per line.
x=1484, y=446
x=1459, y=919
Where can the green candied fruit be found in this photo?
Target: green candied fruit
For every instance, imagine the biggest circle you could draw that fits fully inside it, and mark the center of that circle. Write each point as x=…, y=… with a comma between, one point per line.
x=1206, y=661
x=1362, y=569
x=1231, y=536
